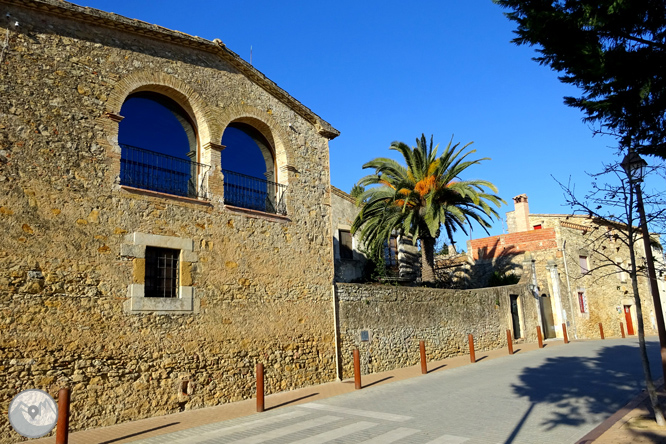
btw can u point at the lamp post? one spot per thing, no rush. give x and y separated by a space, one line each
634 166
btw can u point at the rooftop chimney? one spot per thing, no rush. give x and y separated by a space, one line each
522 212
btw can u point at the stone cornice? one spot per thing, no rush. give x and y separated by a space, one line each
582 228
338 192
114 21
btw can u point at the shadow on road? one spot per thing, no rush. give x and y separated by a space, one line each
140 433
584 390
292 401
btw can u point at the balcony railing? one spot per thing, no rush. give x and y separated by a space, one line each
154 171
256 194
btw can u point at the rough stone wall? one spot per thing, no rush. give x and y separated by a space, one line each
397 318
569 238
606 290
261 283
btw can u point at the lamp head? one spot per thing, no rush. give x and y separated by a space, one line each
634 166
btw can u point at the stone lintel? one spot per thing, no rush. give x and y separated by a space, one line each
156 240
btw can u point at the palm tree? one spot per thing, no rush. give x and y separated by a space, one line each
419 199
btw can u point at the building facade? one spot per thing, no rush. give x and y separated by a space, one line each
576 264
153 280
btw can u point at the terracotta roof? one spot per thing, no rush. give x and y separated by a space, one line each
338 192
114 21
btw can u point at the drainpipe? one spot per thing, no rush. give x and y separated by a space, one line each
336 329
571 305
535 293
555 279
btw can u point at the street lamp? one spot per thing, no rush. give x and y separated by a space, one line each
634 166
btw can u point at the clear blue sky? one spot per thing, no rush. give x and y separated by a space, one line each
385 71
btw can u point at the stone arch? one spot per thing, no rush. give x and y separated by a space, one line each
186 97
269 128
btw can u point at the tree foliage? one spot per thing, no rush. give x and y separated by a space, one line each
614 51
421 197
356 192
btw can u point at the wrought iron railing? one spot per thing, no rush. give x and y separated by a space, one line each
253 193
154 171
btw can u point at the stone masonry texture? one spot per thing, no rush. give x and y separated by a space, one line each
397 318
262 284
555 250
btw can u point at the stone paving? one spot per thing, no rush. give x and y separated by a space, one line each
557 395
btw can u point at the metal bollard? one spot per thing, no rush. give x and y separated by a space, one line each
62 429
564 332
260 387
601 331
357 369
509 341
424 363
472 356
539 336
622 328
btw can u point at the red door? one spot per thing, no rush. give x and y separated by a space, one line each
627 317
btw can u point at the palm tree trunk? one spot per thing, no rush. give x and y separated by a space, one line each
427 259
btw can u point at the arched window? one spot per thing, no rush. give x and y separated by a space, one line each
248 165
158 143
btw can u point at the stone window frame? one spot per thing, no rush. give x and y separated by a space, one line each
621 274
134 247
347 229
583 307
584 263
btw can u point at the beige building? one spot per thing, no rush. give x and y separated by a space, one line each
401 256
576 261
148 274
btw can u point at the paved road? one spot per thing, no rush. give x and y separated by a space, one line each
554 395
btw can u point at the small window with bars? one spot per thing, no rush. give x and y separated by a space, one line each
391 252
346 249
582 302
161 273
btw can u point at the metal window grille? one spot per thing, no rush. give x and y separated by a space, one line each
391 252
161 273
345 244
253 193
155 171
582 302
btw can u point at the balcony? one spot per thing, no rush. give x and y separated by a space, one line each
253 193
150 170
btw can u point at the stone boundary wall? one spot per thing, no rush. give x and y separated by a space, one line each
397 318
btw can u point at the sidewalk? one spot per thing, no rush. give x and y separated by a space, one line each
625 426
634 423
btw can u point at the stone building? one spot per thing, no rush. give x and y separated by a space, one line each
152 277
575 278
401 256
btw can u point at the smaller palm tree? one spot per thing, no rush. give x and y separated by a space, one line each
417 200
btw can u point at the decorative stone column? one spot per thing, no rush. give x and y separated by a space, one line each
213 180
555 281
